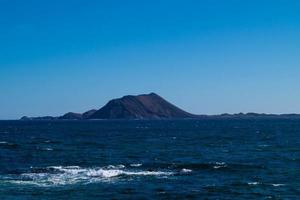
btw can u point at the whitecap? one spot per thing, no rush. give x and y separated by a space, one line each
253 183
68 175
115 167
3 142
19 182
186 170
219 165
277 185
104 173
149 173
136 165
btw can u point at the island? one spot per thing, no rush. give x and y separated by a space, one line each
151 106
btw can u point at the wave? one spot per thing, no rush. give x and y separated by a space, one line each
69 175
219 165
254 183
266 184
186 170
213 166
277 185
10 145
136 165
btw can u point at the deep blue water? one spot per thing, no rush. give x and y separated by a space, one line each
187 159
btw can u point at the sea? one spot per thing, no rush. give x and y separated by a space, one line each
144 159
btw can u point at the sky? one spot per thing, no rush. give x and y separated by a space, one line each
205 56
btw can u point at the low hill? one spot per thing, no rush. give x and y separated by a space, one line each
146 106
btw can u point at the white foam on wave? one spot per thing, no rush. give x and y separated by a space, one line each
186 170
115 167
273 184
136 165
3 142
217 167
68 175
220 165
277 185
253 183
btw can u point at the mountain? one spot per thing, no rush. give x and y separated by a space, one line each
88 114
146 106
152 106
71 116
77 116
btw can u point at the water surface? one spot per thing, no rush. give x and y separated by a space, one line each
180 159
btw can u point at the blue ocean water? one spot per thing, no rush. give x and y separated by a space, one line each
180 159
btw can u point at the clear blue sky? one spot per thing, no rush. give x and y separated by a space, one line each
208 57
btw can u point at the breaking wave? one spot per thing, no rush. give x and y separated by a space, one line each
68 175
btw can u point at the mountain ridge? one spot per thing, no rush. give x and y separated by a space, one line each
144 106
151 106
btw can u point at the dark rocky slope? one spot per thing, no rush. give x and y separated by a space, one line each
146 106
71 116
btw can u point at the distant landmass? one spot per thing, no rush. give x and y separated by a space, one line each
147 106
